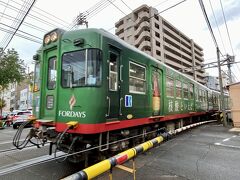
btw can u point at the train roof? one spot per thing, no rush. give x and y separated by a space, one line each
125 44
131 47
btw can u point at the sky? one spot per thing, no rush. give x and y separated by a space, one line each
46 15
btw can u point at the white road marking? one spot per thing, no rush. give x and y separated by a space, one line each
8 142
27 163
226 139
219 144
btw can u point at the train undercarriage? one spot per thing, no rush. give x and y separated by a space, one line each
94 147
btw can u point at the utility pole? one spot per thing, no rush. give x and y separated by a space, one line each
230 60
222 108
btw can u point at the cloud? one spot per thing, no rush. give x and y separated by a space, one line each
231 11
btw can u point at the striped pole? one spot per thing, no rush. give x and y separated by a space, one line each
105 165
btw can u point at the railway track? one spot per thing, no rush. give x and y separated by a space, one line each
42 158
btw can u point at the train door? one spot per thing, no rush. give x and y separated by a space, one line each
49 86
156 89
114 85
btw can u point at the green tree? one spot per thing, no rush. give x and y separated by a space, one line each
2 105
12 69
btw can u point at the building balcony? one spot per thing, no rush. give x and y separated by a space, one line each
142 37
180 52
119 30
177 43
144 45
143 25
143 16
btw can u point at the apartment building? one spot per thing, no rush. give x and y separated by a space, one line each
149 32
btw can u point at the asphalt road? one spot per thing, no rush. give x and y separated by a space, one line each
208 152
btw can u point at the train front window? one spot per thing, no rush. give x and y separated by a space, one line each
81 68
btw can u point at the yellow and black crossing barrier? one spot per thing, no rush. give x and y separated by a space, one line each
221 116
106 165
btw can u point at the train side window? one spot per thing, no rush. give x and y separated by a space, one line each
137 78
170 86
201 95
196 94
113 72
205 95
190 91
185 91
178 89
52 73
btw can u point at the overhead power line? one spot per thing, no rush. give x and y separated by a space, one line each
37 18
217 26
5 16
226 26
15 31
55 20
90 12
20 35
225 22
208 23
21 31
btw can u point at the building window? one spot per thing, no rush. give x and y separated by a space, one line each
169 86
157 34
178 89
158 52
156 17
156 26
137 78
185 91
157 43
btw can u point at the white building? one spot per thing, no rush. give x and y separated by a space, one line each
145 29
25 99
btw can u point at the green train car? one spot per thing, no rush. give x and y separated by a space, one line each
91 88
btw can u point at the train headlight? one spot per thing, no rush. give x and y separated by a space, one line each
47 39
54 36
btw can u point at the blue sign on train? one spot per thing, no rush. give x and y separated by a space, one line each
128 101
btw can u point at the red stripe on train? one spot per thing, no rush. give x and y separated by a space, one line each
110 126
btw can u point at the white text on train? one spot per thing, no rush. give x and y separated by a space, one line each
72 114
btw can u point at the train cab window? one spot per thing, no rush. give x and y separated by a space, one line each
137 78
178 89
94 69
113 72
190 91
81 68
52 73
170 87
36 86
185 91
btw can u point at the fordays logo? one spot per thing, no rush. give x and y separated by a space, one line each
72 102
